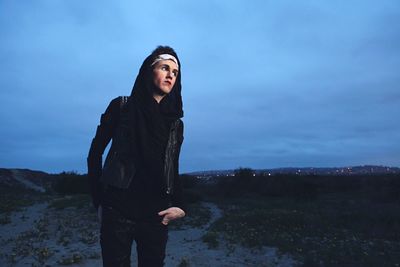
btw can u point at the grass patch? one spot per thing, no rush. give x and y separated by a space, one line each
15 198
75 258
75 201
211 239
336 229
5 219
184 263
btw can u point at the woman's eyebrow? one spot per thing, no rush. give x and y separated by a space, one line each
165 65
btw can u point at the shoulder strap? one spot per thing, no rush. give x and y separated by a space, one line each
124 100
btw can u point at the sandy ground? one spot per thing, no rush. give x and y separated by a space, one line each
43 236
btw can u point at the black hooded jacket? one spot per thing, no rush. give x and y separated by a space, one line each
149 131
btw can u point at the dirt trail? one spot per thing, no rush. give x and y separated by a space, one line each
186 247
40 236
19 176
22 222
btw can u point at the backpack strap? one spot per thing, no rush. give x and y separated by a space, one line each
124 100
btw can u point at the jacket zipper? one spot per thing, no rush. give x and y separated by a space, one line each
169 156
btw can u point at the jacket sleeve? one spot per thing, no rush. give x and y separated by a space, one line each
104 133
177 196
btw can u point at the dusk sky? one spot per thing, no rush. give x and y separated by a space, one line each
265 83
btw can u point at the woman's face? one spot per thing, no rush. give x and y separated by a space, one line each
164 75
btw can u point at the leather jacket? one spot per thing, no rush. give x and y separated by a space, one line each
171 156
105 132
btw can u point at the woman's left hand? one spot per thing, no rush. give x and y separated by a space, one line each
171 214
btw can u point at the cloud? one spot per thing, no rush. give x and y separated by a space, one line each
264 83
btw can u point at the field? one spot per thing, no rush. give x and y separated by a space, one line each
244 220
319 221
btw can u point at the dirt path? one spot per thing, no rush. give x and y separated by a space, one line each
22 222
186 248
40 236
19 176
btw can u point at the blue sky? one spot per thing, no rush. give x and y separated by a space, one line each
265 83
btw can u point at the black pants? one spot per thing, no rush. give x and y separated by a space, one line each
117 235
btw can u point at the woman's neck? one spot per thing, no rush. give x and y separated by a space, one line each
158 97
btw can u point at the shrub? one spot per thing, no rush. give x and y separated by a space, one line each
71 183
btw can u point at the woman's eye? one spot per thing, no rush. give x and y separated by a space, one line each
163 68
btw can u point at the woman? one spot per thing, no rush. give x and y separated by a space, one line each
138 191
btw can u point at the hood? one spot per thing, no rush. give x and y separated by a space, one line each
143 88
